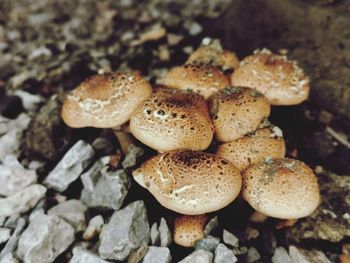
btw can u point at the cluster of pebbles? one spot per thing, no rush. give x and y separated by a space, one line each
212 143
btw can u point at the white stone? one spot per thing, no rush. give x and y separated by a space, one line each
198 256
157 255
94 227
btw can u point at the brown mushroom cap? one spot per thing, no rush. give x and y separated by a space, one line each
105 101
189 229
203 79
254 147
279 79
237 111
281 188
190 182
171 120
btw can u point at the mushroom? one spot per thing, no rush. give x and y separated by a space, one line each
189 229
203 79
190 182
105 101
236 111
281 188
254 147
212 53
171 120
281 80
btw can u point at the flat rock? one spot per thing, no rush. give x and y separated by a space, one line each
208 243
14 177
45 238
11 244
94 227
230 239
224 255
198 256
155 235
125 231
104 188
70 167
307 256
82 255
165 233
157 255
22 201
5 234
281 256
72 211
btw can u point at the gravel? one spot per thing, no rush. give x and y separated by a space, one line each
165 234
208 243
82 255
224 255
198 256
230 239
157 255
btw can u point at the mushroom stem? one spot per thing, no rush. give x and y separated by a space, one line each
258 217
286 223
125 139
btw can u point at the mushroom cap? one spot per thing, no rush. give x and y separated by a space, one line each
171 120
281 188
191 182
189 229
105 101
203 79
281 80
236 111
254 147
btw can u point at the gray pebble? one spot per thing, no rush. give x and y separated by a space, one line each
155 235
208 243
281 256
82 255
165 233
157 255
230 239
252 255
224 255
198 256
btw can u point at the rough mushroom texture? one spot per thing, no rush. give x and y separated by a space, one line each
190 182
236 111
281 80
173 120
281 188
203 79
105 101
189 229
254 147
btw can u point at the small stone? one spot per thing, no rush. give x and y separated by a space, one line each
5 234
307 256
155 235
211 225
94 227
11 244
224 255
9 258
281 256
209 243
70 167
198 256
14 177
131 158
165 234
72 211
30 101
157 255
45 238
252 255
103 146
230 239
138 254
193 28
82 255
126 230
22 201
251 233
174 39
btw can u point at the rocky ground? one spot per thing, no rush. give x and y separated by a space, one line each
67 194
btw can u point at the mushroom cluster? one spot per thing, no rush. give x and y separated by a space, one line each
198 103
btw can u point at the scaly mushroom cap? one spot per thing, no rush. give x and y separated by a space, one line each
190 182
281 188
203 79
237 111
279 79
173 120
189 229
254 147
105 101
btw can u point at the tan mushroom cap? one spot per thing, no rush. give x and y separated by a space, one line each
254 147
281 80
237 111
202 79
173 120
189 229
281 188
105 101
190 182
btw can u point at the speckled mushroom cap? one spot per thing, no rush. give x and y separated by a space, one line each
189 229
281 188
236 111
171 120
190 182
105 101
203 79
254 147
281 80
